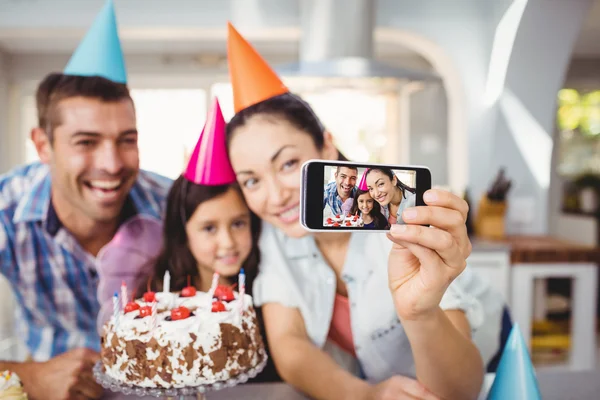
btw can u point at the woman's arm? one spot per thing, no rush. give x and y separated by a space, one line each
301 363
446 360
428 254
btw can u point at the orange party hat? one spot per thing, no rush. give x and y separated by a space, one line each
252 79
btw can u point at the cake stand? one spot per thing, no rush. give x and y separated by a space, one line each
195 392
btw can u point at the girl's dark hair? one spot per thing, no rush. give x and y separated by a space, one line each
399 184
183 199
289 107
380 221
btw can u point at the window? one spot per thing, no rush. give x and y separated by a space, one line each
578 122
222 91
357 120
169 122
28 121
361 122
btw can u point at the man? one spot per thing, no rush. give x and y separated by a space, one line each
341 191
57 216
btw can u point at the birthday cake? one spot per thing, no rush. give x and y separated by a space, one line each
342 220
11 387
174 340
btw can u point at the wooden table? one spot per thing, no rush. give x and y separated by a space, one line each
553 385
545 249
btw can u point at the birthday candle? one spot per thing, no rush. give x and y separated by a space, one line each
167 282
242 287
123 294
213 287
154 317
116 309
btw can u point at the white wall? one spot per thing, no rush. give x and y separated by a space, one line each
464 29
536 72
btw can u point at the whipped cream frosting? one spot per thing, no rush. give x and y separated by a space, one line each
11 387
203 348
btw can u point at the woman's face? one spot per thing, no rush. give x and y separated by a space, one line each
219 235
381 188
365 203
267 154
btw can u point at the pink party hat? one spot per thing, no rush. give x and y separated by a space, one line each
209 164
363 182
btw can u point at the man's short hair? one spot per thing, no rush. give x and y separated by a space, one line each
346 166
57 87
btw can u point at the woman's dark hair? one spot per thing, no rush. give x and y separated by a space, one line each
390 174
380 221
288 107
183 199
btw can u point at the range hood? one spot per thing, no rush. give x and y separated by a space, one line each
337 42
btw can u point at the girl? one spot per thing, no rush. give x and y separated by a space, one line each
348 315
369 209
393 195
208 227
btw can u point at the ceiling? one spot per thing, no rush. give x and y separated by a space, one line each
279 38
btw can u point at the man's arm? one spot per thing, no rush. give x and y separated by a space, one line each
60 378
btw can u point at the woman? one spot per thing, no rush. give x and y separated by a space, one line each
393 195
335 310
370 210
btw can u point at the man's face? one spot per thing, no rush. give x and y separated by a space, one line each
93 157
345 179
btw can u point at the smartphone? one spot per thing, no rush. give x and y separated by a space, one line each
349 196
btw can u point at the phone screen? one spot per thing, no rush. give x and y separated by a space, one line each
356 196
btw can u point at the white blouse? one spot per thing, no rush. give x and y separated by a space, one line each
294 273
409 201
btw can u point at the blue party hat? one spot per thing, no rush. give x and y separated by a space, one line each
515 377
99 53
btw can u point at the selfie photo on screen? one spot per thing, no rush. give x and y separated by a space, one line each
367 198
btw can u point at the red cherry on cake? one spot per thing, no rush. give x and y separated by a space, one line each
336 224
188 291
355 218
132 306
180 313
348 223
149 297
145 311
217 306
224 293
337 216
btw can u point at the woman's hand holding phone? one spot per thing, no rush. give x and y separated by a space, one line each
425 260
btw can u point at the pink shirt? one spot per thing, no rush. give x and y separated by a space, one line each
340 331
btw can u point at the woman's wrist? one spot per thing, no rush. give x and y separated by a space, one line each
424 318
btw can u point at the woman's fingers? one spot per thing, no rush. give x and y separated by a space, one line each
444 219
445 199
439 243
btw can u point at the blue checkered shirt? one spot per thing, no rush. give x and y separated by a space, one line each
331 197
55 281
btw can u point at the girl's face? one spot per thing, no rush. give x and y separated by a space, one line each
267 154
219 235
365 203
381 188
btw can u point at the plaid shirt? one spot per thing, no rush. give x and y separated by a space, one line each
331 197
55 281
